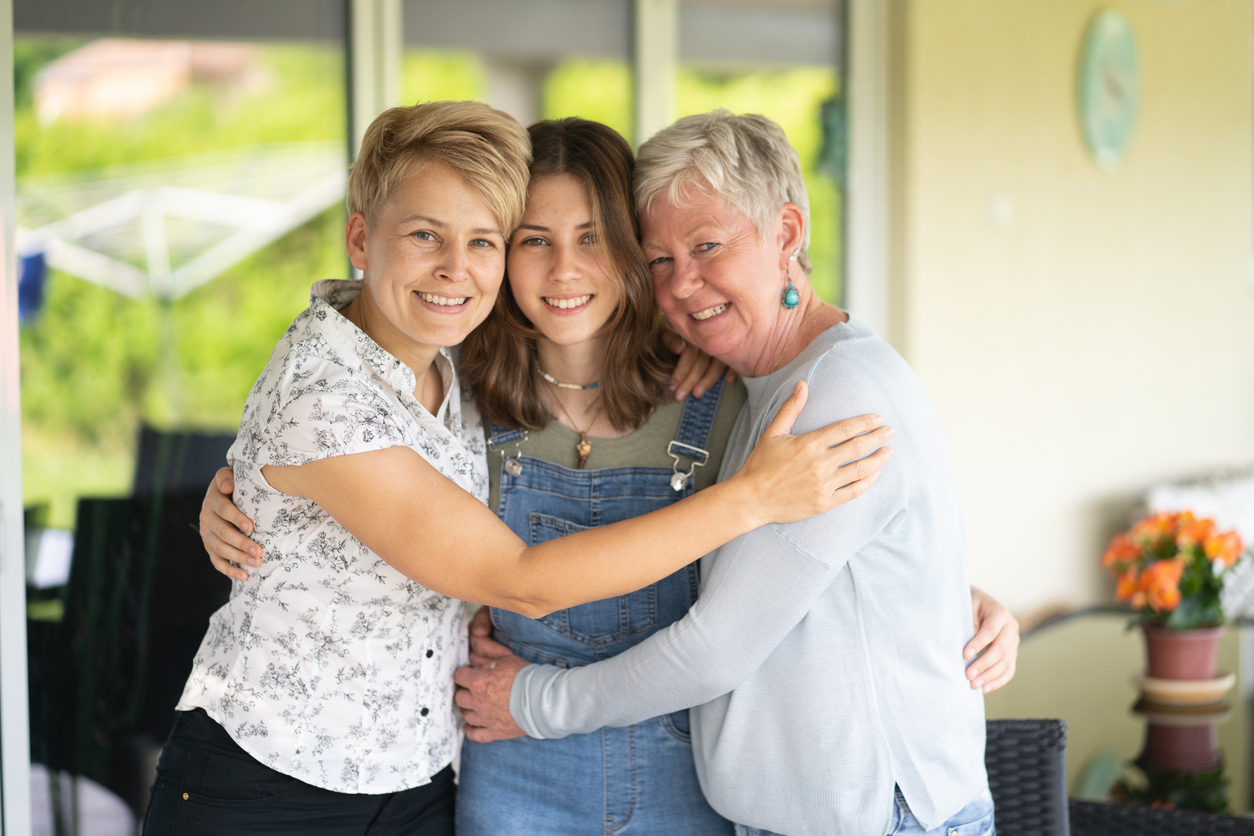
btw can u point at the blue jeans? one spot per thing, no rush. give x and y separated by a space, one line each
975 819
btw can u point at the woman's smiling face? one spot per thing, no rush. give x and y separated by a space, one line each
433 260
716 279
557 269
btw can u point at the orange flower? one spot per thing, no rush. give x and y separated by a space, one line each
1193 531
1121 551
1225 548
1161 584
1155 525
1127 585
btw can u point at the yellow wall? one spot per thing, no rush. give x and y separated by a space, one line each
1083 333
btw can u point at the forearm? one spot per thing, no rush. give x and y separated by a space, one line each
751 601
620 558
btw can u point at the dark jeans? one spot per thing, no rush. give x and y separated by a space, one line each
206 784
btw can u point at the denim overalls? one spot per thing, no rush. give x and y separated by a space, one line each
634 780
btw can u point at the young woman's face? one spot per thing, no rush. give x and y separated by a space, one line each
557 272
433 260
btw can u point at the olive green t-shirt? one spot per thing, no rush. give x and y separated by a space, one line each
645 447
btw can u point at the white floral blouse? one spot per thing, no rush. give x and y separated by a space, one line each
327 664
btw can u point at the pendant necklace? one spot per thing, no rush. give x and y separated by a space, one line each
584 447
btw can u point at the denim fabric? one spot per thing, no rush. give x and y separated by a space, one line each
207 785
636 779
975 819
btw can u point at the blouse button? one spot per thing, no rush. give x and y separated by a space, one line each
430 653
425 712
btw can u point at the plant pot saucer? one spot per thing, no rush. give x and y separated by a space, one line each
1179 692
1182 716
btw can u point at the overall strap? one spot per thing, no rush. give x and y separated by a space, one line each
503 435
693 435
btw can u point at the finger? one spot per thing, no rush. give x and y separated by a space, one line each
788 411
1000 681
729 376
228 568
983 637
466 677
860 446
225 480
848 430
230 536
863 468
673 341
481 623
712 373
991 673
696 372
479 734
489 648
991 658
852 491
682 367
221 505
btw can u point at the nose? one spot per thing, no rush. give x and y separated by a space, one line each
685 278
565 264
454 263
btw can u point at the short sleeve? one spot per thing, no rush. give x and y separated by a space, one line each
324 409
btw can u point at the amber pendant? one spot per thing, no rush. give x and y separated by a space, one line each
584 449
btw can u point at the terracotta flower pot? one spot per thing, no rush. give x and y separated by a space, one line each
1181 654
1181 748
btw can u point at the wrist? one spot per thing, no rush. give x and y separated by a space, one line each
746 503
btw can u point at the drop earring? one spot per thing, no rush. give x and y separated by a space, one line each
790 298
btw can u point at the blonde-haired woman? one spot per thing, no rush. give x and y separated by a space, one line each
321 698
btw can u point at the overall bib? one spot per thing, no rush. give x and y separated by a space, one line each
638 780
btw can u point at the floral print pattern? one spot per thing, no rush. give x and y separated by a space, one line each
327 664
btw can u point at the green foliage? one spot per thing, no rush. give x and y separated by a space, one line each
1203 791
95 363
596 90
1200 588
434 75
794 99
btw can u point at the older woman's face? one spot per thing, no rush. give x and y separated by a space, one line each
716 280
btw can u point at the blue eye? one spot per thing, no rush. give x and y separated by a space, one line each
657 262
482 243
423 235
706 247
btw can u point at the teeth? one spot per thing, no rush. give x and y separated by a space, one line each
568 303
709 312
444 301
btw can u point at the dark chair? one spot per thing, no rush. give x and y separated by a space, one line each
1027 774
1089 818
173 461
105 679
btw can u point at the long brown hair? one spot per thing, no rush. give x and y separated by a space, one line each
498 359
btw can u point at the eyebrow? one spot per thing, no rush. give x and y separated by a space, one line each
441 225
536 228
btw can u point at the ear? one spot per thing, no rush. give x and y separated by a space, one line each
355 235
792 225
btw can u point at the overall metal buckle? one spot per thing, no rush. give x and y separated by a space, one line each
679 480
513 464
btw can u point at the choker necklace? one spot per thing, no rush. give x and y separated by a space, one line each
551 379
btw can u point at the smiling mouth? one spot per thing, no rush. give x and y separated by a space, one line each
564 304
444 301
701 316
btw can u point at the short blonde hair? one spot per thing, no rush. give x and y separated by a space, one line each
746 160
488 148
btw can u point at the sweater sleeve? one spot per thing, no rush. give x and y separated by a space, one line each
760 586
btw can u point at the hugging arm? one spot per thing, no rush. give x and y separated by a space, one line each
412 516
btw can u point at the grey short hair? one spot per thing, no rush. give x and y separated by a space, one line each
746 160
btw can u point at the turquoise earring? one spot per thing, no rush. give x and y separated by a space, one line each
790 298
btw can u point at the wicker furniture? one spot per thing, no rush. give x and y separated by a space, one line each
1027 774
1092 819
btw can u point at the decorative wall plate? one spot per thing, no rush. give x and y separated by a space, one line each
1109 87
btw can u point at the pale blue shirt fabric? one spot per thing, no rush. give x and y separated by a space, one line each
823 658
